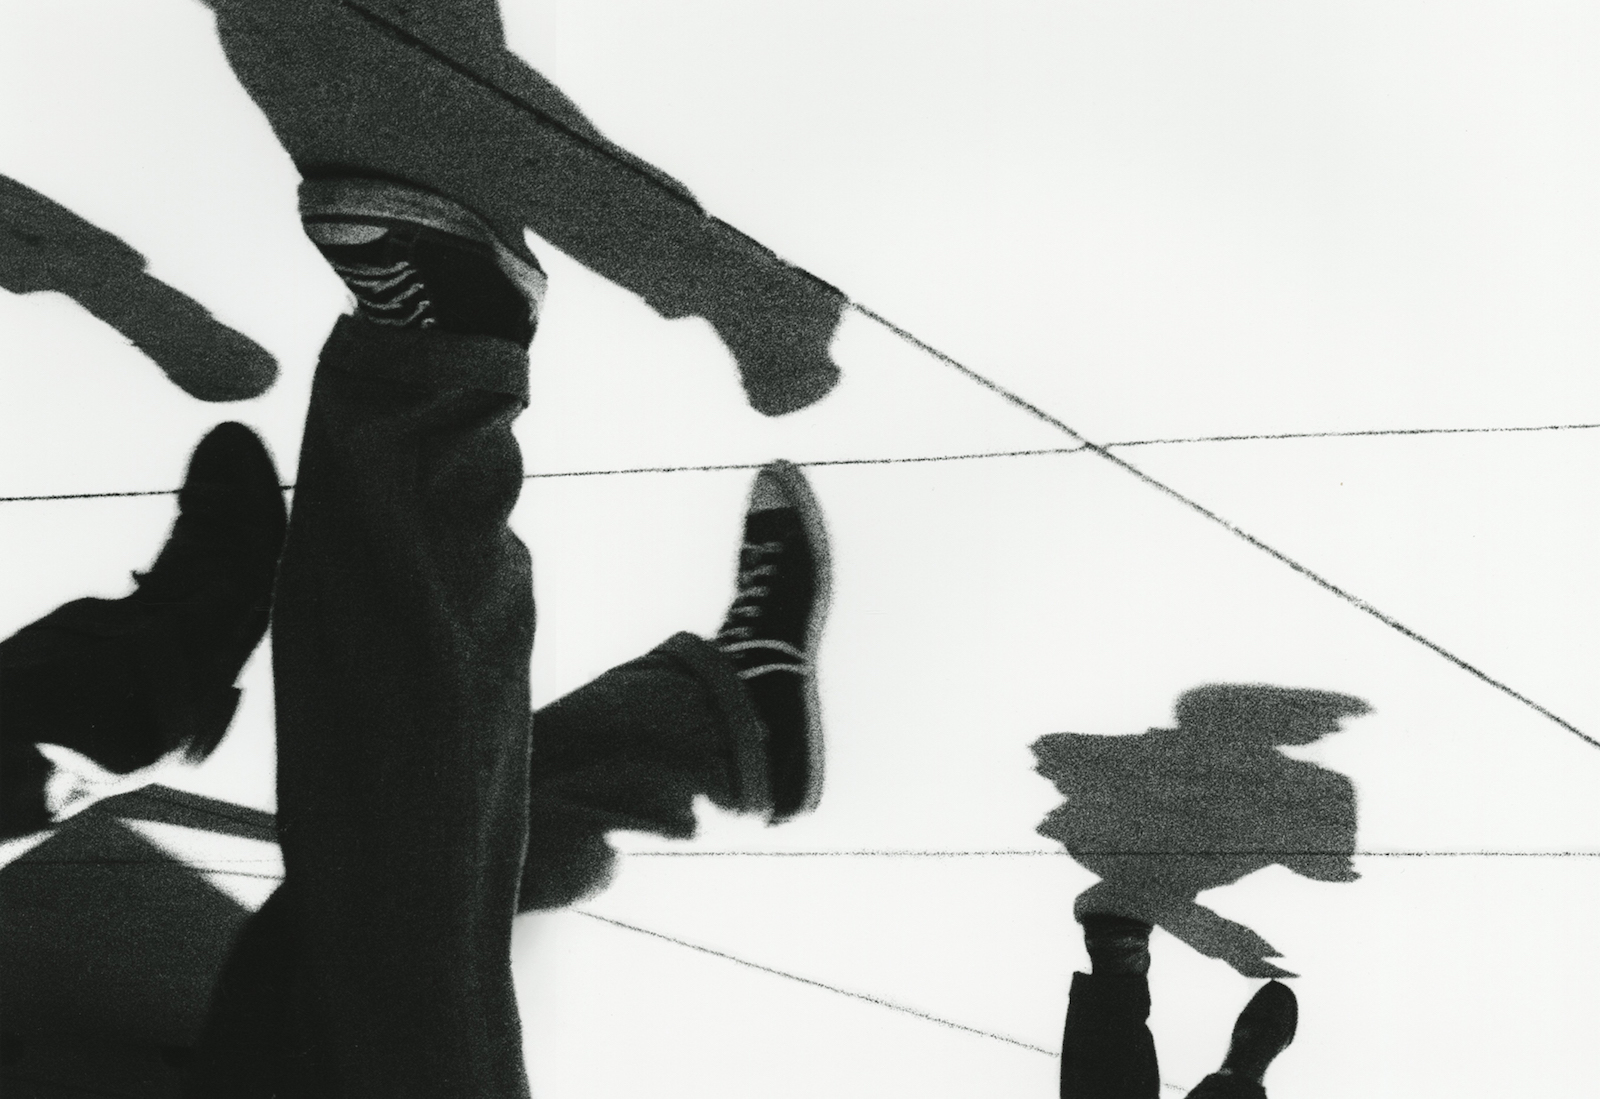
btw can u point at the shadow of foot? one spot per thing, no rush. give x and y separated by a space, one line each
44 247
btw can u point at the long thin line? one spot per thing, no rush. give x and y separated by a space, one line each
1351 434
90 495
103 495
602 147
170 863
912 854
411 40
816 984
972 375
975 455
813 463
415 42
1200 509
818 463
1348 596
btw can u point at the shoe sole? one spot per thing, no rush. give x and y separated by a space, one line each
798 490
382 200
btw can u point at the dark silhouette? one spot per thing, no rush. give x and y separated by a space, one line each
430 94
126 681
110 947
1107 1051
46 247
1168 814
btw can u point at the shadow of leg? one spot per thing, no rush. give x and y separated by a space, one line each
384 90
48 248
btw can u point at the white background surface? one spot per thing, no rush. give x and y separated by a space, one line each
1154 220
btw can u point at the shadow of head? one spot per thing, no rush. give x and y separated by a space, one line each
1165 815
1253 714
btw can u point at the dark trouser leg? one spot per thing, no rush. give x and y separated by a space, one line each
402 634
1224 1086
631 750
1107 1051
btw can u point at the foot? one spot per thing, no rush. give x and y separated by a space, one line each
415 259
772 629
125 682
1265 1028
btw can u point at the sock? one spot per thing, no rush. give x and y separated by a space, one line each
1117 944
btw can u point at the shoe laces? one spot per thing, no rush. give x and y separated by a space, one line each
388 294
749 598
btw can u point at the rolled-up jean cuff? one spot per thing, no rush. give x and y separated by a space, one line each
747 736
428 359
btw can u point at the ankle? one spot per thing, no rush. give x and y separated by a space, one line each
1117 944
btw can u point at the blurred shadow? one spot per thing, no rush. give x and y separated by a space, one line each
429 93
104 934
1165 815
47 247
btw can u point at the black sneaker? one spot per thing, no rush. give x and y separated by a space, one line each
127 681
772 629
1265 1028
415 259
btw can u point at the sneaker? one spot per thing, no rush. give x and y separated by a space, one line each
415 259
1265 1028
772 629
127 681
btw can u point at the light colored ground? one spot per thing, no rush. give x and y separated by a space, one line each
1155 221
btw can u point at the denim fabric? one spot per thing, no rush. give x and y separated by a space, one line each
403 628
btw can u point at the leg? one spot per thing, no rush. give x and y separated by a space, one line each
736 719
1107 1051
257 1043
632 750
1223 1086
403 630
403 633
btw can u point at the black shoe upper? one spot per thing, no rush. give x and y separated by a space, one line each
768 636
213 579
1264 1029
126 681
412 276
768 622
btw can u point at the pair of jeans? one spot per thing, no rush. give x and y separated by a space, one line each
1107 1051
409 768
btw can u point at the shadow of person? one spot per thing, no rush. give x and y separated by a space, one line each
1165 815
46 247
428 93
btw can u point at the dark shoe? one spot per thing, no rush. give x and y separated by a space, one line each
772 629
127 681
415 259
1265 1028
